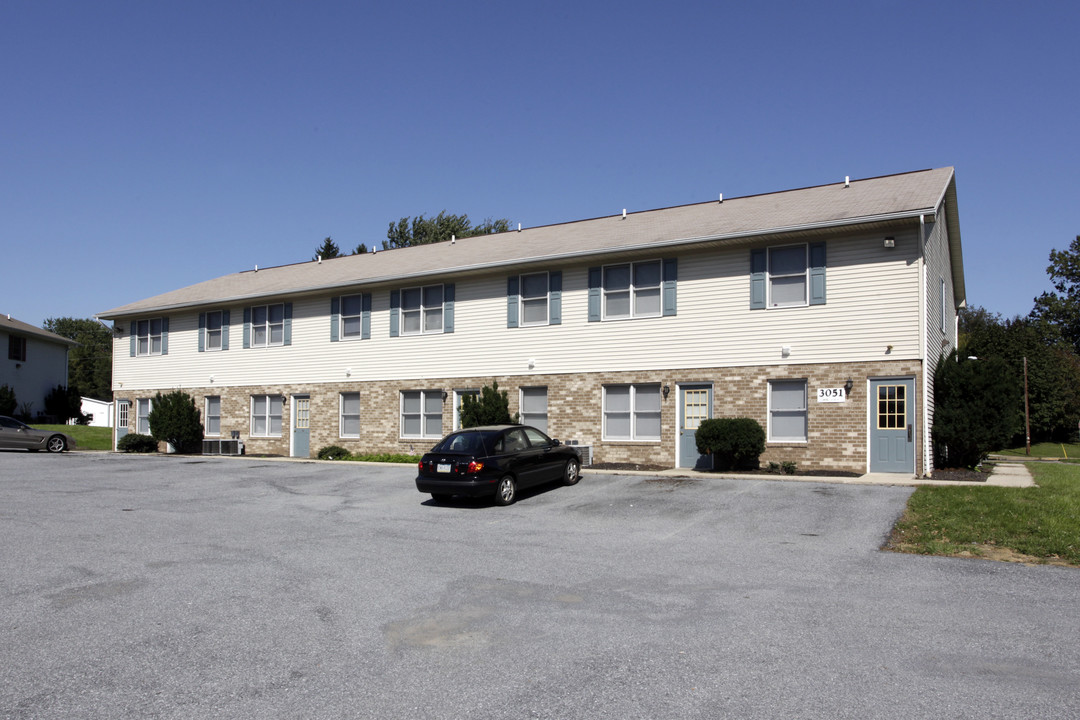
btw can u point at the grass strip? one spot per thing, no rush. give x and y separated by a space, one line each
1039 524
87 437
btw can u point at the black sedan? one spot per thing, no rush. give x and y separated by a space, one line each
495 461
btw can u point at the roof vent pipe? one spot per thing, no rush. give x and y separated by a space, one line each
721 198
256 268
519 227
319 258
624 213
453 239
847 181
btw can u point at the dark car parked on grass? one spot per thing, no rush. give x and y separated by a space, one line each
15 435
495 461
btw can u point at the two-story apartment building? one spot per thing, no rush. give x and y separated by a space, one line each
820 312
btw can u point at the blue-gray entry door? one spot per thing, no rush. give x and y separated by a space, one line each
123 411
695 405
892 425
301 426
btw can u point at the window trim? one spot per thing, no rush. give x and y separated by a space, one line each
269 425
423 309
341 416
268 325
633 413
805 412
522 300
423 415
770 275
149 336
207 415
632 291
521 407
139 416
17 348
220 331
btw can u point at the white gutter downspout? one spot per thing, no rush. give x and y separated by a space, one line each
925 420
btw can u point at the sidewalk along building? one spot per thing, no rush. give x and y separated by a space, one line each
819 312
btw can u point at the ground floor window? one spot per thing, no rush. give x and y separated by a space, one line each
142 416
212 425
266 415
349 421
632 412
421 414
534 407
787 411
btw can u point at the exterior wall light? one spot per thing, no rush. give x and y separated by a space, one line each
667 389
848 385
890 242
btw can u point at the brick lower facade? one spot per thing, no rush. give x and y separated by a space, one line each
837 437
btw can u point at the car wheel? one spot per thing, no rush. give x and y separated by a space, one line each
572 474
506 492
56 444
441 497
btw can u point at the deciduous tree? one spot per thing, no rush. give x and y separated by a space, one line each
89 362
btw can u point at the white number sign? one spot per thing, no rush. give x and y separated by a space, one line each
831 395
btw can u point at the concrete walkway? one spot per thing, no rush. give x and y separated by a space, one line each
1003 475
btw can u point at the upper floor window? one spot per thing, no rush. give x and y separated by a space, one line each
534 299
150 337
352 313
422 310
16 348
633 290
268 325
787 276
214 330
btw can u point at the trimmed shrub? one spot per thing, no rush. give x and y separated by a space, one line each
735 443
136 443
333 452
8 403
492 407
978 407
174 419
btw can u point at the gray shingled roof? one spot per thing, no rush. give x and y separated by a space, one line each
18 327
893 197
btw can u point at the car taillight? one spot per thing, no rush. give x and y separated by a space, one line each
420 465
474 467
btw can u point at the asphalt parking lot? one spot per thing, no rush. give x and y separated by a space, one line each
190 587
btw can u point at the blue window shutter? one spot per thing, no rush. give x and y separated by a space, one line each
596 277
395 311
671 277
247 327
365 316
202 332
817 274
555 297
335 318
287 330
448 308
512 301
758 261
165 336
224 329
134 339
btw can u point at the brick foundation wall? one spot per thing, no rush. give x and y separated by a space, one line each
837 432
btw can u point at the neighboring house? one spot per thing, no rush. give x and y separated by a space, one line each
36 362
99 412
819 312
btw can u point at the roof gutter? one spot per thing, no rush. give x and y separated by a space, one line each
561 257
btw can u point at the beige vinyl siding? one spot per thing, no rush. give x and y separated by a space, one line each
872 300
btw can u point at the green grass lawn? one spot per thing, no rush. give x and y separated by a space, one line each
1040 524
1046 450
86 437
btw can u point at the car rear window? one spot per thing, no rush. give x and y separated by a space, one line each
469 443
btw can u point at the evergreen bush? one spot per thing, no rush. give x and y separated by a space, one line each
63 404
491 407
174 419
977 409
136 443
333 452
735 443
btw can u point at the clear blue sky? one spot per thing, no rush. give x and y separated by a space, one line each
145 146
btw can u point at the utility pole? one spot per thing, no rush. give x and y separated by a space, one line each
1027 414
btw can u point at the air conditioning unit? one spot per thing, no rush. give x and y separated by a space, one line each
222 447
586 454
